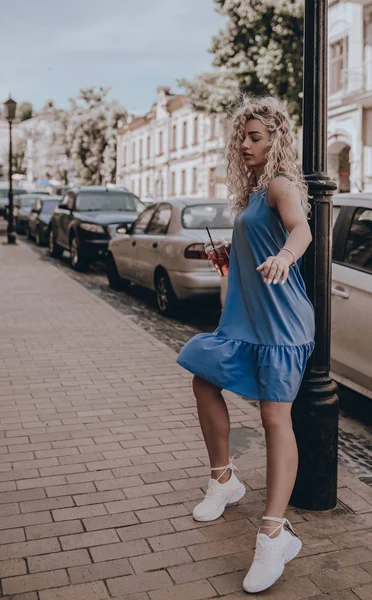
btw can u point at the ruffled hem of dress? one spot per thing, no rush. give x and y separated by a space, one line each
260 372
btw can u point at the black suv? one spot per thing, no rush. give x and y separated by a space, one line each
87 218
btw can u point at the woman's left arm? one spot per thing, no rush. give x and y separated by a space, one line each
286 198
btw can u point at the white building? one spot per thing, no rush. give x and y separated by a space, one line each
172 151
350 94
40 135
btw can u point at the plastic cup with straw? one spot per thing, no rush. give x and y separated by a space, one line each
217 253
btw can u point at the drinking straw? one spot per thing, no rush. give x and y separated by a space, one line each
210 237
219 270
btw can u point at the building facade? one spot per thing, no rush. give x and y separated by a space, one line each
172 151
350 95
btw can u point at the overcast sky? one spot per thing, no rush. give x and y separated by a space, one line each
51 48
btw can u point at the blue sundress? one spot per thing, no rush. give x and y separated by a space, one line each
266 332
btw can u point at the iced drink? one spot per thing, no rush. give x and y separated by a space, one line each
218 253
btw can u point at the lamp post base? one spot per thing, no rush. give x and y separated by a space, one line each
315 422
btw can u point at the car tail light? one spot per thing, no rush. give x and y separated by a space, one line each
196 251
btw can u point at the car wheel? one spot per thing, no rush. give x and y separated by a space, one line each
78 263
114 280
54 249
165 296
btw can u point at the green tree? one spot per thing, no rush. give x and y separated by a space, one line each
260 50
24 111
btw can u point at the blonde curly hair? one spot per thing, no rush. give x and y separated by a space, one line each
280 158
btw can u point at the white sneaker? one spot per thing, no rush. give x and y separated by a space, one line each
219 495
270 557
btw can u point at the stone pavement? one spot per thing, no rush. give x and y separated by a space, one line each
102 462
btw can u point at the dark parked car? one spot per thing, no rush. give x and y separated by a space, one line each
86 220
4 193
21 210
39 218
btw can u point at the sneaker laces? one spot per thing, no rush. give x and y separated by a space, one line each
229 466
265 552
282 522
212 489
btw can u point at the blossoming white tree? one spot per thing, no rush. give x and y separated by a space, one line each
91 134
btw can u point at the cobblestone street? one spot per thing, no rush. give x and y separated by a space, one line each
355 448
102 461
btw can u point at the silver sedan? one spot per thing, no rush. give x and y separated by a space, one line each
164 250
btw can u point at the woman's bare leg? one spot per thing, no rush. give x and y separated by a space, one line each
215 424
282 460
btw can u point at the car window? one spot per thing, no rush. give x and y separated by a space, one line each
49 205
122 201
336 211
214 216
160 222
25 201
4 192
358 251
144 219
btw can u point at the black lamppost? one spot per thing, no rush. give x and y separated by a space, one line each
315 410
10 111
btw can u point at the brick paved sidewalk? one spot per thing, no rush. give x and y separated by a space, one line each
102 462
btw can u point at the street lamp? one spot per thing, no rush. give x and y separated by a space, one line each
10 111
315 410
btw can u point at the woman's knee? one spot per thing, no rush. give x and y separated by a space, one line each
275 415
202 387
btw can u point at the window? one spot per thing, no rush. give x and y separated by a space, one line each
124 156
134 152
213 127
143 220
174 137
194 180
183 182
196 131
173 184
160 142
107 201
160 222
358 252
140 188
48 206
147 186
184 134
338 63
335 212
148 147
214 216
212 182
140 150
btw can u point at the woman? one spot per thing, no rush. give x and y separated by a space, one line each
266 331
